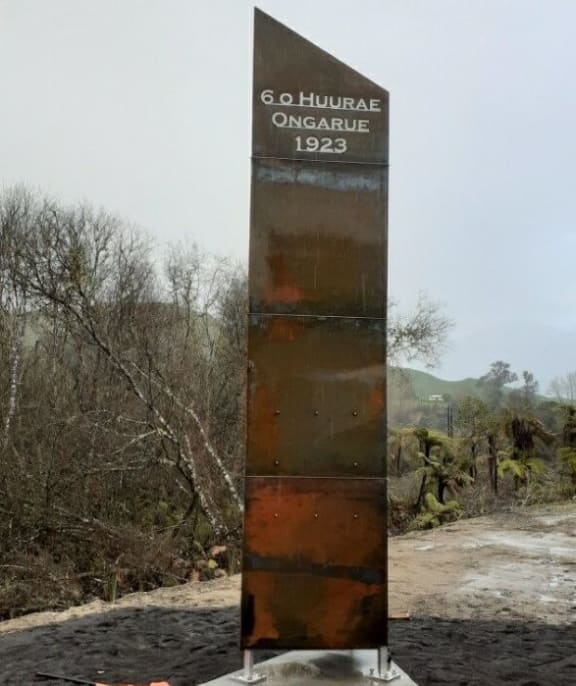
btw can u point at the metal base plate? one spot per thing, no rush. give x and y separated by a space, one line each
254 679
319 668
389 675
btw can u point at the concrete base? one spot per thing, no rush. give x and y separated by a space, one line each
318 668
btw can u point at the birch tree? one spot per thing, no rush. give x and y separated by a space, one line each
99 277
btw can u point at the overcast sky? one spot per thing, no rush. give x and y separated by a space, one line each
143 107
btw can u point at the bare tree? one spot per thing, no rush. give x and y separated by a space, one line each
122 402
420 334
14 212
99 278
564 387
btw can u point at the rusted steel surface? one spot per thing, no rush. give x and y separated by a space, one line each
318 238
316 396
314 563
314 568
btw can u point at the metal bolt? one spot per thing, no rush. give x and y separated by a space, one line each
276 412
354 413
276 515
316 413
355 464
355 515
315 515
276 462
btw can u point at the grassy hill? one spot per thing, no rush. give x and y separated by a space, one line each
425 384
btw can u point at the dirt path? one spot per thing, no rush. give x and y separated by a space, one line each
511 567
493 602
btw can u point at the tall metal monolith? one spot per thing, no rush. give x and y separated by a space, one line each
315 540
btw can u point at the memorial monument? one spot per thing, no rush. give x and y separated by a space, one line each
315 532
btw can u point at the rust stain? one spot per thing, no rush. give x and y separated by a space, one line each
266 625
317 250
315 613
324 376
263 421
283 287
377 401
285 293
283 330
317 521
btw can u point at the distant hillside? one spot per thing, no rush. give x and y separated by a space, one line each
425 385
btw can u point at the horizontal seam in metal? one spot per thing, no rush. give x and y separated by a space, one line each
304 159
314 316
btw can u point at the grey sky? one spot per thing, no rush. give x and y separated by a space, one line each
143 107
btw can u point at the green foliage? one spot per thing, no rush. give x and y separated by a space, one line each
516 441
493 382
508 465
442 460
522 468
472 416
402 451
567 457
436 513
476 424
438 508
569 425
525 432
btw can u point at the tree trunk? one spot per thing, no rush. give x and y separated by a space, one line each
473 471
398 459
421 492
493 464
441 488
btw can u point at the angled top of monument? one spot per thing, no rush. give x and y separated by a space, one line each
309 105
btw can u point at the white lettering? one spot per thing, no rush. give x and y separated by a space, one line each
320 143
296 121
306 100
326 144
280 119
267 97
314 100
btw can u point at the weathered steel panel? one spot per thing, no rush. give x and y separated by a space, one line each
309 105
314 563
318 238
316 396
